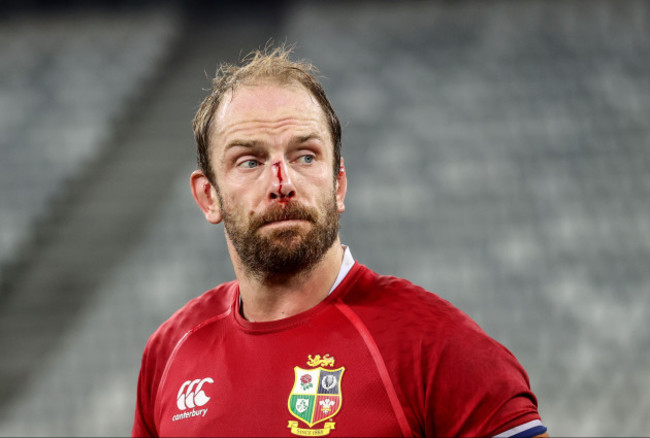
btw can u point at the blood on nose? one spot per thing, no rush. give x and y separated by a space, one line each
278 173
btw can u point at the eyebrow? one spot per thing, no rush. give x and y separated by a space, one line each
305 138
254 144
251 144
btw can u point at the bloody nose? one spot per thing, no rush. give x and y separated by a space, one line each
284 190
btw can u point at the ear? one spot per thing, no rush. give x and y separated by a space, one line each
341 187
205 195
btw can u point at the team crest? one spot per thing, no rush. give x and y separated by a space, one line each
316 396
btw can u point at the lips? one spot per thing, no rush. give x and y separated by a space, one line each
281 221
287 212
287 219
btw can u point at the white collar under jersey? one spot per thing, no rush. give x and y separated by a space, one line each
346 265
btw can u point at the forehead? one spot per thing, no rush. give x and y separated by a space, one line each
264 104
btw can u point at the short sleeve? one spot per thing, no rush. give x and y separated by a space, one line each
476 387
143 424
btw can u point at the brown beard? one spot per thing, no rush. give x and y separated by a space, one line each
286 251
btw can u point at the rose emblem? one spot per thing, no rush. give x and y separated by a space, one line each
305 382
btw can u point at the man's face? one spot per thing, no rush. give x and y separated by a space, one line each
272 154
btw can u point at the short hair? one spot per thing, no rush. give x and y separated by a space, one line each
270 64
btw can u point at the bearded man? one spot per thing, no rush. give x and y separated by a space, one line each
306 341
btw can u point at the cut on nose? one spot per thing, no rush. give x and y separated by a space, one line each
284 190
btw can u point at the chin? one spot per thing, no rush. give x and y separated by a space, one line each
287 238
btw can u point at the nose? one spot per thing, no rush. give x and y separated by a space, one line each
282 188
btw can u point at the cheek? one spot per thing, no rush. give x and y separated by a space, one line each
243 208
319 177
237 195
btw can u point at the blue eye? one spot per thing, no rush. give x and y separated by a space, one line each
249 164
307 159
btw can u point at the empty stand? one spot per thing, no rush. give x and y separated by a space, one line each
497 154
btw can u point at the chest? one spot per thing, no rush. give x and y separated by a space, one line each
310 380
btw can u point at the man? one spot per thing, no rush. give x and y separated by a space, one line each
306 341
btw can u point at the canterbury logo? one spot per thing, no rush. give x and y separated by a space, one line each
191 394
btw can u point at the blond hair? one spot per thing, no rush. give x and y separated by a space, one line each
259 65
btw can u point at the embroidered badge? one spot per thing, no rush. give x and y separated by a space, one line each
316 396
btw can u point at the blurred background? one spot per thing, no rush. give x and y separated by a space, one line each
498 154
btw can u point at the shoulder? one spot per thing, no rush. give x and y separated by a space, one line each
437 354
164 340
193 314
394 309
403 304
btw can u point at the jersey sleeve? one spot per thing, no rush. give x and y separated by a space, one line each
154 360
143 425
161 344
478 388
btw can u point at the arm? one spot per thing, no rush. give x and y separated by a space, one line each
480 389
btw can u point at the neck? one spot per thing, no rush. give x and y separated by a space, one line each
278 297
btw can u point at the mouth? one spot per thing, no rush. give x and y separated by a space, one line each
287 215
284 223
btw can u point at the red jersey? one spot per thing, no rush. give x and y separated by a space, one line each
378 357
